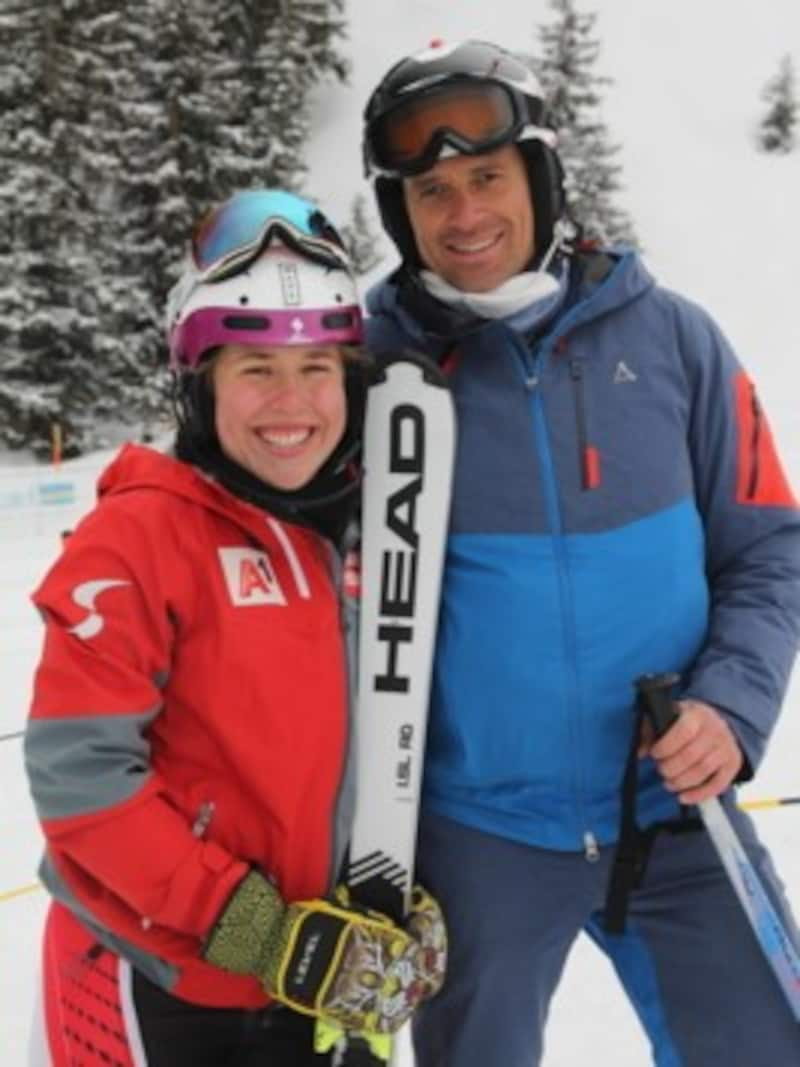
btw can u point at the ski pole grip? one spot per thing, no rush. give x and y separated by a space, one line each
655 699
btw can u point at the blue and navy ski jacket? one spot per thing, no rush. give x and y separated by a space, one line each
618 509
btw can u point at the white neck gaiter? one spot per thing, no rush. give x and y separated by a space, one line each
517 293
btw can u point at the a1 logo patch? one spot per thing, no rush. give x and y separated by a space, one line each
250 577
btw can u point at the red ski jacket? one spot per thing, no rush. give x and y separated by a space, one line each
189 717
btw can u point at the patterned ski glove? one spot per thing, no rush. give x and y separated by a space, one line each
326 958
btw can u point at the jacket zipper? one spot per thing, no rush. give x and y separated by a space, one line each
205 814
755 440
349 614
591 850
531 365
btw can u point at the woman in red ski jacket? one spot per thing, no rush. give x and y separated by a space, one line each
188 740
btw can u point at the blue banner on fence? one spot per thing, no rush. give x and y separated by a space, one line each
38 495
56 493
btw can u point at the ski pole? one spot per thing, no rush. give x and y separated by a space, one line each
775 941
767 802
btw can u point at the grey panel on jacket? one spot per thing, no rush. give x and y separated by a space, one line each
86 763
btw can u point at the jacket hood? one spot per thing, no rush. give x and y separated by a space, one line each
137 467
605 282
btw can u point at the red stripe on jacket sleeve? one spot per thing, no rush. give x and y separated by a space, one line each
760 478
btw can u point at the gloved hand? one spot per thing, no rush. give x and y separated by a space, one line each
326 958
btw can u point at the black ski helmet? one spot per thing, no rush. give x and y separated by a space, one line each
440 69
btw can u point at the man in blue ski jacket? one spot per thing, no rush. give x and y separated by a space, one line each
619 509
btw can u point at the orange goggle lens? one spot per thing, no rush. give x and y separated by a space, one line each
471 118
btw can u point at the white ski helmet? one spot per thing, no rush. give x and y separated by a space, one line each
281 298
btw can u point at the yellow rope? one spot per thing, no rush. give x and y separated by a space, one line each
768 802
11 893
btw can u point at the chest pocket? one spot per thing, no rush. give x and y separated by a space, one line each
618 427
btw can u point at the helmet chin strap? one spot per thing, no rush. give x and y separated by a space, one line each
564 232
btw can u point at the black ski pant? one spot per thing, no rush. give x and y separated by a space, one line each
95 1010
175 1033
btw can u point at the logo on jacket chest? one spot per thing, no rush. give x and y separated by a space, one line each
250 577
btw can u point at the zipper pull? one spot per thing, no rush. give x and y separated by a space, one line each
204 817
588 454
590 848
532 369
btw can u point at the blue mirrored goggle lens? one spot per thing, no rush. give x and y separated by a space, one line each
239 226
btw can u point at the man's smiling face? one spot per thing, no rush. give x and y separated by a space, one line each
472 218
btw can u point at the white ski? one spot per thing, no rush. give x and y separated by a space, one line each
409 447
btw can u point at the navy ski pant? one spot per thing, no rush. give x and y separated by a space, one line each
688 959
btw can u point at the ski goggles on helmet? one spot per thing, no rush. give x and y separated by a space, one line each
467 115
229 236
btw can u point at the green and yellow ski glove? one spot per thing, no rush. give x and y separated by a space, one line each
325 958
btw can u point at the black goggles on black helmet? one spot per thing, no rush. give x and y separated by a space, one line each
465 114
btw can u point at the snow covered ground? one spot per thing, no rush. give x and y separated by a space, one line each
719 222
